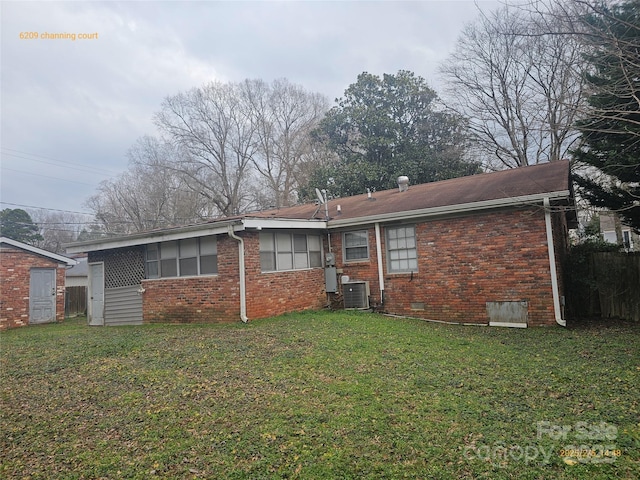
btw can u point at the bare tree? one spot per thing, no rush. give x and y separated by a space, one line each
284 115
519 85
212 125
150 194
57 228
226 148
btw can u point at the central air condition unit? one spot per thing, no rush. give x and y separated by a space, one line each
356 295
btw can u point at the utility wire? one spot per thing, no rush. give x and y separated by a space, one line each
90 167
77 169
47 176
43 208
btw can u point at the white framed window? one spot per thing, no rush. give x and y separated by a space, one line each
187 257
356 245
168 259
152 261
188 261
208 255
289 251
402 255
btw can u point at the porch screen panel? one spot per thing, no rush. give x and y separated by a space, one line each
208 255
168 254
188 257
267 252
285 254
300 256
315 250
152 261
289 251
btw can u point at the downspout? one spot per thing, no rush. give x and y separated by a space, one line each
552 264
243 286
380 266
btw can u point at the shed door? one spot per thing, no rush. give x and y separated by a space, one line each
96 294
42 295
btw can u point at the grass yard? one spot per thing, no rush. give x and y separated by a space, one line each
320 395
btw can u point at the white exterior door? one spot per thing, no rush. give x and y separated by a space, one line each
42 295
96 294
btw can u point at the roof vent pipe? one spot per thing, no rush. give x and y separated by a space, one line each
403 183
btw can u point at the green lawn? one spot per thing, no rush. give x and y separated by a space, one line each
320 395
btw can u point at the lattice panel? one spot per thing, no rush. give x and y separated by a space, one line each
122 267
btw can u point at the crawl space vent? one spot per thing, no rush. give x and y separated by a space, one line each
508 314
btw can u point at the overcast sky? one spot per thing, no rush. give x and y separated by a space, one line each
70 109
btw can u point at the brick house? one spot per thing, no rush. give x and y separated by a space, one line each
609 223
483 249
32 284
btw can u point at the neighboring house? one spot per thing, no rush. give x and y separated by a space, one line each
630 240
31 284
483 249
76 282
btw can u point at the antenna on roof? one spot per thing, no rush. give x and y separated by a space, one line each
322 198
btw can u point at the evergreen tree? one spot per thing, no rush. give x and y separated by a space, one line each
611 129
16 224
387 127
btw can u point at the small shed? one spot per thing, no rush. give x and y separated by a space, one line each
32 284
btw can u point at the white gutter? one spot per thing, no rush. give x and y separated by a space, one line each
243 283
552 264
145 238
287 223
460 208
380 266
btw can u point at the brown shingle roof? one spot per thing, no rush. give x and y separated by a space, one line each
513 183
455 195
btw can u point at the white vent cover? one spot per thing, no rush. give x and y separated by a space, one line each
356 295
508 314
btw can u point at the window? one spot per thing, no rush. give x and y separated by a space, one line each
401 249
153 270
168 255
356 246
208 256
286 251
188 257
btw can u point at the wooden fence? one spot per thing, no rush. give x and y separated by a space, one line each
604 284
75 301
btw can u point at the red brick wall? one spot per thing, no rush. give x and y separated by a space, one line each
360 270
211 298
15 266
465 262
217 298
275 293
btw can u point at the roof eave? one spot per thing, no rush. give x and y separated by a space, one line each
259 223
461 208
146 238
191 231
39 251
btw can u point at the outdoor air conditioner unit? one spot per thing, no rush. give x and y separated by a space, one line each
356 295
